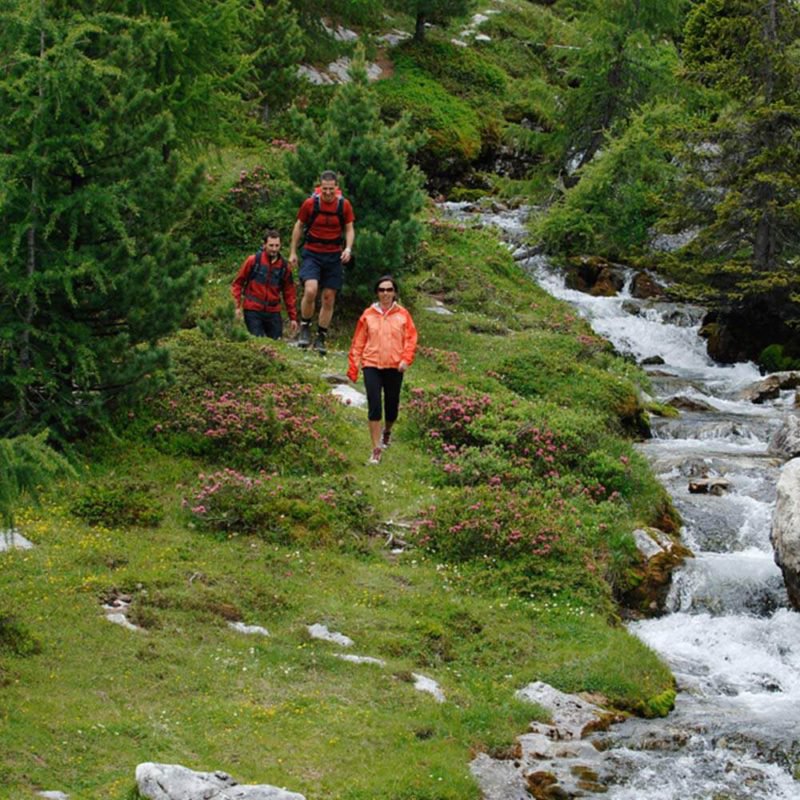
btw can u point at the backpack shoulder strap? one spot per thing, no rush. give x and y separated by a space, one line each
256 262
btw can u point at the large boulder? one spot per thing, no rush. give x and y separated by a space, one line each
785 534
649 582
596 276
785 442
770 387
175 782
645 286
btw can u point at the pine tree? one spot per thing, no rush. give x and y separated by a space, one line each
26 463
93 267
279 41
372 160
433 11
749 247
626 58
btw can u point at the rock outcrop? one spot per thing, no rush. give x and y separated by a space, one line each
175 782
552 760
785 534
660 555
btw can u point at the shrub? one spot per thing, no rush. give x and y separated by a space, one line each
473 442
258 425
117 503
489 521
199 363
773 359
461 70
452 127
276 509
237 213
15 638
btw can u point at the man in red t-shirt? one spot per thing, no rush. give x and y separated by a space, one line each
257 290
326 223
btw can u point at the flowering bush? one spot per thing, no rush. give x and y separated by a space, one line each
278 509
448 359
448 416
473 442
489 521
271 423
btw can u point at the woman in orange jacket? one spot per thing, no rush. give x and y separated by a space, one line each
383 347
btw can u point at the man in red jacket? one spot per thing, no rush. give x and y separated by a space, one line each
258 287
325 222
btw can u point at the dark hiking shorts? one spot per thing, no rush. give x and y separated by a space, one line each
323 267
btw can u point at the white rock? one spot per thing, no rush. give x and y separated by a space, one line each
570 713
394 37
175 782
13 540
360 659
341 34
459 43
423 684
645 544
121 619
479 19
54 795
498 779
313 75
318 631
785 534
482 37
349 395
248 629
445 312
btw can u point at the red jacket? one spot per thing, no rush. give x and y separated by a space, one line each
259 288
383 339
327 224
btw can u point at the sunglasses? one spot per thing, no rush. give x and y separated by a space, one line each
386 288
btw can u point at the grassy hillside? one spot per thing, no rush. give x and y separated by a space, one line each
485 552
300 531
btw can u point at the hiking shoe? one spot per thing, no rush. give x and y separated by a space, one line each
304 339
386 438
319 344
375 458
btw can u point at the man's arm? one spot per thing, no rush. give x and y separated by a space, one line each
297 232
349 238
238 285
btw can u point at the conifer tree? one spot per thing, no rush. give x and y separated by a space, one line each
433 11
751 239
372 160
279 43
626 58
93 266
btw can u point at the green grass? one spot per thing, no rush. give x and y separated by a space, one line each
84 701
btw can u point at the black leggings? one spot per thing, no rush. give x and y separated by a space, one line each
390 381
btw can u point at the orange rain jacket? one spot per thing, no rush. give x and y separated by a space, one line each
382 339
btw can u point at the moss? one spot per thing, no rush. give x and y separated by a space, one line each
453 128
659 705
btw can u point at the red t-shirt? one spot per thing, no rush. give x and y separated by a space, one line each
326 225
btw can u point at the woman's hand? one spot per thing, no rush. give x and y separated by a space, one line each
402 366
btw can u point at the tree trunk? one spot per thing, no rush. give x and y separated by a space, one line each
419 28
25 358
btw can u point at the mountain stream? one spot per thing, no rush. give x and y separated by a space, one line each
728 635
